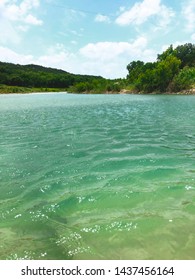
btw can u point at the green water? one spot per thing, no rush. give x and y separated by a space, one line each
97 176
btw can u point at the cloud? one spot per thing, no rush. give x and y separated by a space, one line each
109 50
11 56
20 12
188 12
9 33
58 57
16 19
32 20
102 18
141 12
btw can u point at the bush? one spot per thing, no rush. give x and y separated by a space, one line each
184 80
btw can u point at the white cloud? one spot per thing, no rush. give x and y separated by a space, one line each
142 11
102 18
165 17
20 12
17 18
139 13
109 50
33 20
9 32
8 55
56 56
110 70
188 12
23 28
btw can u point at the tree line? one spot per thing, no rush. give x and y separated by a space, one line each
173 71
35 76
39 76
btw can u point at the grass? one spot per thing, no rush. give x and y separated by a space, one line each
16 89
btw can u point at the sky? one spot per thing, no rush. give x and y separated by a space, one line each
95 37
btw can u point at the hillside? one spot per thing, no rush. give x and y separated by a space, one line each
29 78
39 76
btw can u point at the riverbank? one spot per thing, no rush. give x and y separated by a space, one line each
23 90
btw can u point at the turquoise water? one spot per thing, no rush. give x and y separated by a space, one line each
97 176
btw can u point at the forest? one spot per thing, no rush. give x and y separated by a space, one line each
39 77
173 71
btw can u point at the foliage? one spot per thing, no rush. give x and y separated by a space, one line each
16 89
184 80
186 53
135 68
173 71
98 86
34 76
166 53
38 76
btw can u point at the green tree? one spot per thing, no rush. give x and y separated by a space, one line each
134 68
168 52
185 79
186 53
165 72
158 76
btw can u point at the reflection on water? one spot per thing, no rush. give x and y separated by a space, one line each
97 177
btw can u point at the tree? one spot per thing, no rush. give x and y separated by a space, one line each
169 52
157 76
185 79
135 69
165 71
186 53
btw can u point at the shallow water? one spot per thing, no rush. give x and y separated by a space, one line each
97 176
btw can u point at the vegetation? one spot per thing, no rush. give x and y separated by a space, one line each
17 89
30 78
173 71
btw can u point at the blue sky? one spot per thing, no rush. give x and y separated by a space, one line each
92 37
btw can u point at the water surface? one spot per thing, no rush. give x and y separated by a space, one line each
97 176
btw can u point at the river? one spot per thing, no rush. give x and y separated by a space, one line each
97 176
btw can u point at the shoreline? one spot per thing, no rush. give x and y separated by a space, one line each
25 90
